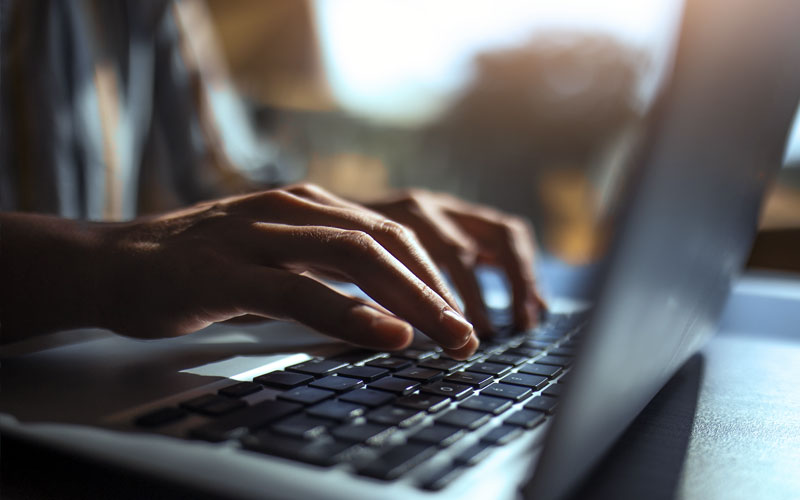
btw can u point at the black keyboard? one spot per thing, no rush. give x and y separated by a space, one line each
382 414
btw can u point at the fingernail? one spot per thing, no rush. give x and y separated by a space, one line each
457 326
467 350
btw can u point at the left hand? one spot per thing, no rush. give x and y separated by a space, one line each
459 235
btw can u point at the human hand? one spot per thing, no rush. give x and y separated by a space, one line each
460 235
258 254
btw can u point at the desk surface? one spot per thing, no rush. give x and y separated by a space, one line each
745 442
727 426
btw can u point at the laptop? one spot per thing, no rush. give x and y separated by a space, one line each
277 411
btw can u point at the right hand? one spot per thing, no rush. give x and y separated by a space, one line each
257 254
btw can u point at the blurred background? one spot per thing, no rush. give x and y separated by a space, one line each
534 107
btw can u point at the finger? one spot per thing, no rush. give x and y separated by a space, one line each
366 263
464 352
285 295
456 252
246 319
320 195
462 274
288 208
510 243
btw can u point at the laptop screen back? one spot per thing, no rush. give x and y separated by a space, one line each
717 138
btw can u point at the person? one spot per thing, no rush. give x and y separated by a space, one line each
86 130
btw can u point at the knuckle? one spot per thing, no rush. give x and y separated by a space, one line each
396 230
277 196
307 188
518 234
508 230
354 240
518 224
413 199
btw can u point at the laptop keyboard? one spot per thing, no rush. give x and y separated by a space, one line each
382 414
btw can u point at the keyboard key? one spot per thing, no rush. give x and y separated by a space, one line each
367 397
473 454
302 426
492 345
424 402
393 364
197 404
250 418
570 344
487 404
542 370
508 391
537 344
337 384
525 418
454 391
548 337
318 452
466 419
283 380
446 365
336 410
554 361
477 380
490 369
240 390
439 435
213 405
162 416
507 359
479 353
306 395
395 385
439 479
535 382
542 403
393 415
416 354
365 373
354 356
555 390
501 435
397 461
562 351
423 375
317 367
529 352
222 407
372 434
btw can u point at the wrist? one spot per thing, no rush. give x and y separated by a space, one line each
50 275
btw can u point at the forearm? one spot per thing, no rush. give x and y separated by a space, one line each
49 275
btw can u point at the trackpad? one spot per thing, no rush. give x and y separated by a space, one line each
246 367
